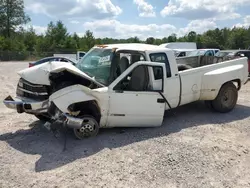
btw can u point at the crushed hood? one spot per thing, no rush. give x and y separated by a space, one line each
39 74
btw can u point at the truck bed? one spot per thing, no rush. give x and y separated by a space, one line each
203 83
198 61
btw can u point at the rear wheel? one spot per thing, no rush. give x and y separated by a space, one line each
226 99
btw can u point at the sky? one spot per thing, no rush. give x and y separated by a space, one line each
141 18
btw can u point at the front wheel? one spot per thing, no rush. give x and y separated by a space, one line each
226 99
90 127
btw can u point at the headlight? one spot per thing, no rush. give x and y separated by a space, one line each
20 84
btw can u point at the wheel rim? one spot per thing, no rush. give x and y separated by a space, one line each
228 98
89 128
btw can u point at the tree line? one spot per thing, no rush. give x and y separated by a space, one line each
17 43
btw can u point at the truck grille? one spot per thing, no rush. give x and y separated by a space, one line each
32 91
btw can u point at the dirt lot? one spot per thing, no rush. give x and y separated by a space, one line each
194 148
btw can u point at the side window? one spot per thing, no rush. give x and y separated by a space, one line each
209 53
247 54
139 80
158 73
241 54
182 54
44 60
81 54
64 60
55 59
161 57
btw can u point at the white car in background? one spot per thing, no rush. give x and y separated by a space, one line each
204 52
181 49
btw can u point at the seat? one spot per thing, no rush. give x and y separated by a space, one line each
138 81
123 65
135 58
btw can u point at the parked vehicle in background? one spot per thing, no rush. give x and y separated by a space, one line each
79 55
232 54
123 85
48 59
181 49
76 57
182 52
223 53
179 45
204 52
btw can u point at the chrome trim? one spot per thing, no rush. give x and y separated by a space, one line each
73 122
12 104
27 83
34 106
34 93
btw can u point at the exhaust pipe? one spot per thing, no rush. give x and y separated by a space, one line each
73 122
66 120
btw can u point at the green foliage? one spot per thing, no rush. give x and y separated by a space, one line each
17 43
11 15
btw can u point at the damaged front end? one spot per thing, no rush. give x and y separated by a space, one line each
75 108
83 127
58 118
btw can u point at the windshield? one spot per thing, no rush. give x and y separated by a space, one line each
96 63
197 53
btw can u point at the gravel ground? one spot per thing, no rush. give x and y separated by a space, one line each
193 148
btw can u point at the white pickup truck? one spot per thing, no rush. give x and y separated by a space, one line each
123 85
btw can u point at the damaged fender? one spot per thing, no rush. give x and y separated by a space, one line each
70 95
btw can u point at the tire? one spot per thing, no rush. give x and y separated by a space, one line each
82 134
226 99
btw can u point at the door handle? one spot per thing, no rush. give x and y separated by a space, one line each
160 101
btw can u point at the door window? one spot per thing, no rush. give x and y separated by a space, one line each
141 79
209 53
64 60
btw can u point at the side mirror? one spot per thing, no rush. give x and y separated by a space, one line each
242 55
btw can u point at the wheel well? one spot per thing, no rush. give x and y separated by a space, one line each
87 108
236 82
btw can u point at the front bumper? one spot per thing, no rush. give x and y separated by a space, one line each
34 107
28 106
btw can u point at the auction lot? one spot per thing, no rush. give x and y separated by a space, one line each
193 148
